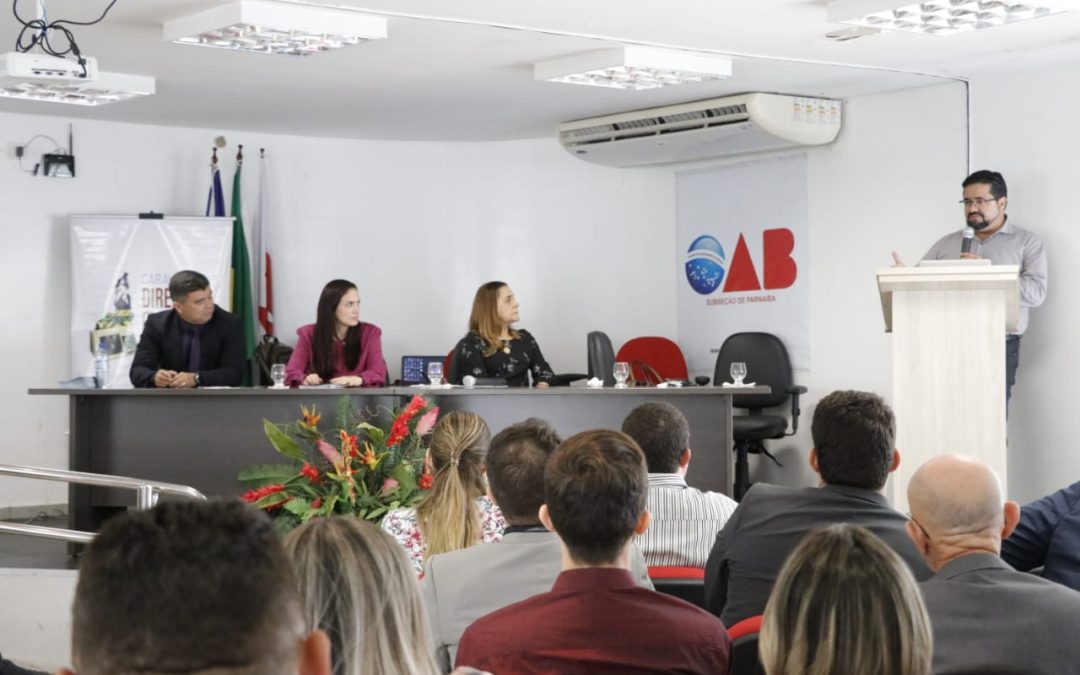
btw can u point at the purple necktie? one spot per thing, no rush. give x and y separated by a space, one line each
193 347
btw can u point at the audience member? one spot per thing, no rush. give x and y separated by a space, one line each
845 603
595 619
494 348
853 452
462 586
684 520
338 348
9 668
1048 536
456 513
987 617
191 587
358 587
194 344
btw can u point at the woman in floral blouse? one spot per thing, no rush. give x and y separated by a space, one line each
456 513
493 349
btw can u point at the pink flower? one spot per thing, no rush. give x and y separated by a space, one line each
317 503
328 451
389 485
427 422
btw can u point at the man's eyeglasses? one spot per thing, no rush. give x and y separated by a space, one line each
978 201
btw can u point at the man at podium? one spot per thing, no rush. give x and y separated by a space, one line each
991 235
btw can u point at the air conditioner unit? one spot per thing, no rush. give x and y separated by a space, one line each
718 127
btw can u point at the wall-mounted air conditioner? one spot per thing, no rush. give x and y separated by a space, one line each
700 130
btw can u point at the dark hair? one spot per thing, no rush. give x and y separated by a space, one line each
992 178
594 488
322 344
662 433
515 468
186 281
186 586
854 434
483 320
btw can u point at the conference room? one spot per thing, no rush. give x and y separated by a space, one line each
424 162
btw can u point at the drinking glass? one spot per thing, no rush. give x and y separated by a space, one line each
621 371
738 371
277 374
434 373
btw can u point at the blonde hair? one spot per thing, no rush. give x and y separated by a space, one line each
484 319
448 517
845 603
358 585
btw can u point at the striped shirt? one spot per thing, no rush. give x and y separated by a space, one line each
684 524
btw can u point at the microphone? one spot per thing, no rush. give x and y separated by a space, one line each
969 237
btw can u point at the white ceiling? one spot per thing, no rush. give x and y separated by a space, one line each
461 70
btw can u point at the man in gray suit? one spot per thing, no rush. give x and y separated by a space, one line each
986 616
462 586
853 433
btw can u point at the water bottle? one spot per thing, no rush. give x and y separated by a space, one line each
101 365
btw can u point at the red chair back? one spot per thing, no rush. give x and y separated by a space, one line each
747 626
659 353
661 572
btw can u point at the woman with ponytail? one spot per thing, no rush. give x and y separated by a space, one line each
456 512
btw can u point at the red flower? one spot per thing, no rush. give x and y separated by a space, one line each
317 503
399 431
426 481
252 496
348 444
310 472
415 405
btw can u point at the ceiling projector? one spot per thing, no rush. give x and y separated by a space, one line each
17 66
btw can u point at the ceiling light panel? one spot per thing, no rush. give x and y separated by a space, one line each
275 28
633 67
939 17
106 88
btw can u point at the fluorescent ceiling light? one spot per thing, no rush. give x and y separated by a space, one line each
275 28
937 17
633 67
106 88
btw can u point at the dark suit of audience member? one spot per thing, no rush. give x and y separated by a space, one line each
853 453
986 616
1048 536
162 346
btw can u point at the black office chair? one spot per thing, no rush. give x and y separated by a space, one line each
767 363
601 356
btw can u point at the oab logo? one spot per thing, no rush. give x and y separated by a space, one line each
707 267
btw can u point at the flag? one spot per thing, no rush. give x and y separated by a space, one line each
215 199
240 274
263 269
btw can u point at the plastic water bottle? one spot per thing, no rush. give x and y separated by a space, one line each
101 365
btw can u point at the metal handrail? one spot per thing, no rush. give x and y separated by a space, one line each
146 496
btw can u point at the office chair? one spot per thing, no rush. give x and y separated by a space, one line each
685 583
653 360
601 356
744 647
767 363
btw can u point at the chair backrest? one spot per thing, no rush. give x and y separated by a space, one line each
663 355
685 583
268 353
451 368
601 357
767 363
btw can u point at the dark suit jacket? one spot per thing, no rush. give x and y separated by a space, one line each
1048 536
162 346
989 618
771 521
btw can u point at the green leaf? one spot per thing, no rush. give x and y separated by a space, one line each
272 499
298 506
373 432
404 477
258 475
344 412
282 442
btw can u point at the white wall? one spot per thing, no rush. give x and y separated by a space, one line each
418 226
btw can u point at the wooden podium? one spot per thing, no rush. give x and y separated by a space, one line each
949 325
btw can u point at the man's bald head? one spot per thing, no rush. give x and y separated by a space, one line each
959 508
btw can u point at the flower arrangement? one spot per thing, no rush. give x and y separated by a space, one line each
356 469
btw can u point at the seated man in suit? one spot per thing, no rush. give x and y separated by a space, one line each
986 616
191 587
595 619
196 343
684 521
461 586
1048 536
853 452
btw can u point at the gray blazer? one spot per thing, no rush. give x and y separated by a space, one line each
461 586
989 618
771 521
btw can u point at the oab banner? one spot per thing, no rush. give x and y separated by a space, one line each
120 270
742 258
